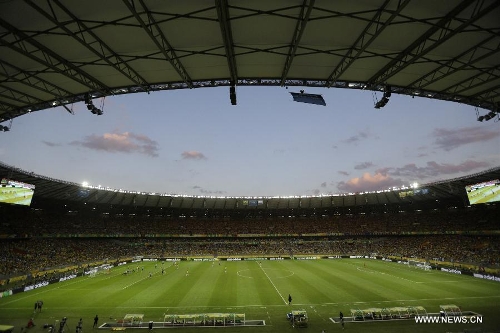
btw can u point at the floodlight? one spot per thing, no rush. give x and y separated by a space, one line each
488 116
91 107
385 98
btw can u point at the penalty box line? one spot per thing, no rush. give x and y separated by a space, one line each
284 301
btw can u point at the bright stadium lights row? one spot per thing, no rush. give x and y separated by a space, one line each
91 107
321 195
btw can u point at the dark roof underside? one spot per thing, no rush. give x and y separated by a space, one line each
54 52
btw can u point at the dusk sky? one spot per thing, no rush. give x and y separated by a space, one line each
195 142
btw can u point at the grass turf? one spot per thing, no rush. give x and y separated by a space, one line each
321 287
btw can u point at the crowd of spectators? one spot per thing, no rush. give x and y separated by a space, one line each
29 223
36 240
31 255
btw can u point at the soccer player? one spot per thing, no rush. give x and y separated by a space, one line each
79 327
96 319
289 299
31 323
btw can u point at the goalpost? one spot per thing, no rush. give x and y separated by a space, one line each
419 263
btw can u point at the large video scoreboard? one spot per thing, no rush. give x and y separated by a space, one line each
17 193
483 192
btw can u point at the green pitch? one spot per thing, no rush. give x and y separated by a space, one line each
321 287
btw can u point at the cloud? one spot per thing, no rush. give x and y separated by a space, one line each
423 151
369 182
323 184
449 139
388 177
343 173
125 142
50 144
193 155
364 165
212 192
361 135
433 169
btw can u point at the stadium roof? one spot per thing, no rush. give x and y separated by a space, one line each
439 194
55 52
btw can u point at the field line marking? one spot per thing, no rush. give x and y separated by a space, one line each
244 276
439 281
382 273
61 287
317 313
40 291
140 280
284 301
263 305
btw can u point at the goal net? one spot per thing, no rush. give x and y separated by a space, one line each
421 264
102 269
